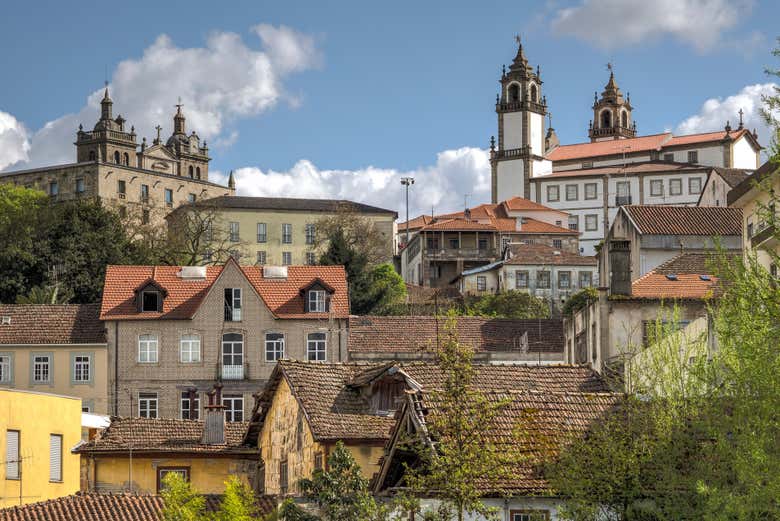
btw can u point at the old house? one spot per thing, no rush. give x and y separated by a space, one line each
55 348
494 340
441 247
610 331
538 269
172 329
135 454
719 183
548 421
756 196
307 407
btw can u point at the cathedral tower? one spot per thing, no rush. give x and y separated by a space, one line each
611 114
521 109
109 141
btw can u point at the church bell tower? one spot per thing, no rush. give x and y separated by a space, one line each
611 113
521 109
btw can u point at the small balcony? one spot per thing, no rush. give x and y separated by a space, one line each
766 237
232 372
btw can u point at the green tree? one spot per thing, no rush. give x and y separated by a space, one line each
340 252
341 493
181 501
507 304
238 503
45 295
455 467
579 300
387 289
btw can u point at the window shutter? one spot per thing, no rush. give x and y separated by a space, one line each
12 455
55 457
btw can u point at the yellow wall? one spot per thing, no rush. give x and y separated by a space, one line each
284 425
752 203
273 246
207 474
36 416
94 394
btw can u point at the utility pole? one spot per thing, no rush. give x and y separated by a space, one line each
407 182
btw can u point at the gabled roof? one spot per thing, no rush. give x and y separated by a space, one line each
546 422
535 254
707 137
764 171
418 334
282 296
164 435
459 224
41 324
97 506
687 276
516 204
292 204
335 409
685 220
732 176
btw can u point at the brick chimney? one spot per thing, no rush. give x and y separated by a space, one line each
214 420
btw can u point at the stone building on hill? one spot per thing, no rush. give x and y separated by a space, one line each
141 181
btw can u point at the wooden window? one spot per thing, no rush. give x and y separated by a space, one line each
283 477
54 188
574 222
147 405
121 188
657 188
481 283
316 347
232 356
310 233
557 243
145 216
186 414
144 193
261 256
41 369
116 157
184 472
521 279
668 158
151 301
12 462
543 279
55 457
80 185
318 461
586 279
82 370
5 368
385 395
168 197
564 279
693 156
190 198
311 258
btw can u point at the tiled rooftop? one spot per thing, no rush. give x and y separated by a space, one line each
687 276
685 220
417 334
38 324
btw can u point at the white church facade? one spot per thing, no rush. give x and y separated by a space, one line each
591 180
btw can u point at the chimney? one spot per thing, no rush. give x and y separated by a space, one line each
214 421
467 214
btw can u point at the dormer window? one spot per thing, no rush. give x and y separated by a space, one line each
317 301
150 301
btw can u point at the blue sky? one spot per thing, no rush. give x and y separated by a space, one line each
348 96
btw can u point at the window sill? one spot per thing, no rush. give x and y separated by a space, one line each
56 481
13 479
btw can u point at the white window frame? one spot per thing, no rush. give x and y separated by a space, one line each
316 300
481 283
262 232
287 233
656 188
234 232
44 366
311 258
286 258
594 187
148 348
235 304
310 233
317 346
189 348
6 368
691 181
276 346
55 458
572 192
79 185
148 405
591 222
12 454
574 223
261 257
79 368
518 278
184 406
553 189
679 184
230 401
564 275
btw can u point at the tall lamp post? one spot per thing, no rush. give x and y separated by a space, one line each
407 182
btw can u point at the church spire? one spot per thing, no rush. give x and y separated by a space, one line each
178 120
105 105
231 181
611 113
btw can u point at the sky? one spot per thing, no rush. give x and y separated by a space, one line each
342 99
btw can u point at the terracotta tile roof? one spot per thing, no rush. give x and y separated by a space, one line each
484 213
95 506
548 422
51 324
369 334
458 224
608 148
516 204
687 276
706 137
282 297
163 435
533 254
335 408
531 225
732 176
685 220
643 167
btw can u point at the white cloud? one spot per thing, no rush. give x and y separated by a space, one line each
716 111
14 145
611 24
224 80
440 186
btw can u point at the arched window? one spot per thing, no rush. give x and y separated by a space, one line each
533 93
514 93
606 119
624 119
127 159
191 172
92 155
116 157
197 173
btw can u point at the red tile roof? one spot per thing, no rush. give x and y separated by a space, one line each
516 204
706 137
164 435
458 224
374 334
643 167
39 324
685 220
687 276
608 148
533 254
484 213
282 296
96 506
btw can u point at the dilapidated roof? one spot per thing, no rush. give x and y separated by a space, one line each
685 220
42 324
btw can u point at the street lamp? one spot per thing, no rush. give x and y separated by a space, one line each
407 181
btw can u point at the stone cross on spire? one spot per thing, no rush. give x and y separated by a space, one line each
517 39
741 113
158 128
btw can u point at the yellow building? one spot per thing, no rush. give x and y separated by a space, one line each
281 230
757 196
37 433
135 454
57 349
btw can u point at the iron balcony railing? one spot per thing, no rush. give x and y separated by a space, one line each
232 371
